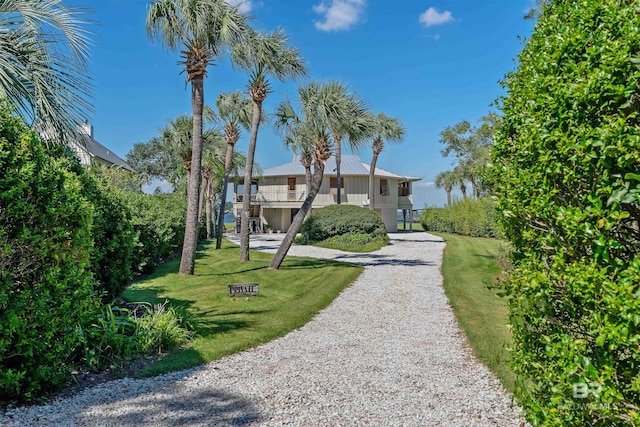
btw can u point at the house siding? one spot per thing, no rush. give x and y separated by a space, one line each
277 200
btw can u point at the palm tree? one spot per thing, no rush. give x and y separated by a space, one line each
308 133
235 111
446 180
212 167
201 30
385 128
262 55
348 118
461 175
44 48
287 123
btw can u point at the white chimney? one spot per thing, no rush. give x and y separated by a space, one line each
86 128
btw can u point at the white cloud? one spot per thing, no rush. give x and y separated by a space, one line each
245 5
339 14
432 17
427 184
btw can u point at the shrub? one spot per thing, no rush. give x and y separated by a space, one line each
108 340
565 172
116 335
45 279
337 220
475 218
158 222
352 242
163 328
112 232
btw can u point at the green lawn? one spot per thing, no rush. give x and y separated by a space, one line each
468 268
416 226
288 299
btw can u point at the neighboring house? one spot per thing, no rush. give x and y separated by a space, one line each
94 152
277 196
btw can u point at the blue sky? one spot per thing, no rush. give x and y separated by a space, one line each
428 63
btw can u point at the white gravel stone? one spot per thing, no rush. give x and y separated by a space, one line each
387 352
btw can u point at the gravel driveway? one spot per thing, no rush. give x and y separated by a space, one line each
387 352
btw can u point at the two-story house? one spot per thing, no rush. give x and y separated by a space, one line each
277 196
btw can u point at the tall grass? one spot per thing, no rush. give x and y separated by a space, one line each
476 218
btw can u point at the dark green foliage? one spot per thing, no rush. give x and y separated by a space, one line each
45 278
566 164
337 220
112 232
355 242
475 218
158 222
116 335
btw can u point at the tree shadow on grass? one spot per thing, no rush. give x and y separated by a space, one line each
309 263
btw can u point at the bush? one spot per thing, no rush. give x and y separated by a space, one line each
565 172
352 242
158 222
45 279
116 335
112 233
475 218
338 220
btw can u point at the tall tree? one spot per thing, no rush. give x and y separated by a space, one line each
471 146
460 176
262 55
348 120
44 48
287 123
307 132
385 128
201 30
235 112
446 180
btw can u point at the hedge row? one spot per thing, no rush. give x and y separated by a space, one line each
67 238
566 174
476 218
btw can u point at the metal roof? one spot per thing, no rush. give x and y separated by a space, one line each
351 165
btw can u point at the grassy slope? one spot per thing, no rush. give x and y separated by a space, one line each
288 298
468 268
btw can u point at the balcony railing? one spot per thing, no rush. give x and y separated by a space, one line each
239 197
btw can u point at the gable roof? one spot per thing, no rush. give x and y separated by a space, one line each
351 165
95 149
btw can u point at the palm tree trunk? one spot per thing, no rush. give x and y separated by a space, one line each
204 184
190 244
463 189
208 211
308 178
449 198
223 196
318 173
372 170
246 198
337 141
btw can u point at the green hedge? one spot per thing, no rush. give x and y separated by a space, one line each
566 173
475 218
338 220
112 232
158 222
45 278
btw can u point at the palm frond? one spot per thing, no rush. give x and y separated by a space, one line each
43 65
